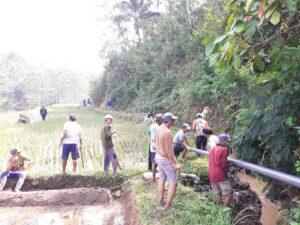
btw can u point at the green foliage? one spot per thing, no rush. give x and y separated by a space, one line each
248 73
260 45
187 208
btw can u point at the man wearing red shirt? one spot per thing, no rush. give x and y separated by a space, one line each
218 166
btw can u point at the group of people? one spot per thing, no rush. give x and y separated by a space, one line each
163 153
165 150
70 143
87 102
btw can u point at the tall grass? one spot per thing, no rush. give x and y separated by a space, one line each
40 140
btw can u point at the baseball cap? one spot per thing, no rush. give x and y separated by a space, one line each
186 126
224 137
13 151
108 116
168 116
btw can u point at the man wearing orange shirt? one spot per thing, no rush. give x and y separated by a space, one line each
166 161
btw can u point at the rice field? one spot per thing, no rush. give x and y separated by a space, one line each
40 140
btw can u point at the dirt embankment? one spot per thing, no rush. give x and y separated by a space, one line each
82 196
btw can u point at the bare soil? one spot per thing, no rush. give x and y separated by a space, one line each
82 196
270 211
130 209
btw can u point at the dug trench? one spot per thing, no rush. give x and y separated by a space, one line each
75 200
101 199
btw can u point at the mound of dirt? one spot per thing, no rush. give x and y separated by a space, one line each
130 209
82 196
69 181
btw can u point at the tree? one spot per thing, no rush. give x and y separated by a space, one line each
133 11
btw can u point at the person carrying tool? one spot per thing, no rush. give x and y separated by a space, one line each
180 141
15 170
152 131
107 144
198 125
70 142
166 161
218 165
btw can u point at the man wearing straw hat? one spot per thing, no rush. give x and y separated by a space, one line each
107 144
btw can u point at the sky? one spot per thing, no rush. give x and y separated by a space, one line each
55 33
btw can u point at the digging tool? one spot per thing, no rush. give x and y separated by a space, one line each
82 161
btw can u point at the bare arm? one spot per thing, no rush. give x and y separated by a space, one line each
62 139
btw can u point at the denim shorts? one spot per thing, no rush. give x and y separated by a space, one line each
152 156
167 169
70 148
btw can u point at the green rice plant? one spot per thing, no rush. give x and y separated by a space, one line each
40 140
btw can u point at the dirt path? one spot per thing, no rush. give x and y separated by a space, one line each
270 211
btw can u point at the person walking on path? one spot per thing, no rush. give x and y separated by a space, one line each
109 104
106 138
166 161
70 142
198 125
212 140
43 112
152 131
15 169
218 165
180 141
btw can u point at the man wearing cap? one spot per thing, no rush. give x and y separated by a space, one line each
15 169
212 140
180 141
218 165
198 125
166 161
70 142
152 131
107 144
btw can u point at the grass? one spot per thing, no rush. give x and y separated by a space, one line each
40 140
187 207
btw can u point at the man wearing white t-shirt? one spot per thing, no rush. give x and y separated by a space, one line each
212 140
72 137
152 131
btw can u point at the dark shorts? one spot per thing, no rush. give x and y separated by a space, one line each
67 148
152 156
11 175
177 150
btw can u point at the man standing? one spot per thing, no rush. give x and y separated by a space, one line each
198 126
72 137
212 140
218 165
107 144
109 104
152 131
166 161
205 112
43 112
180 141
15 169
